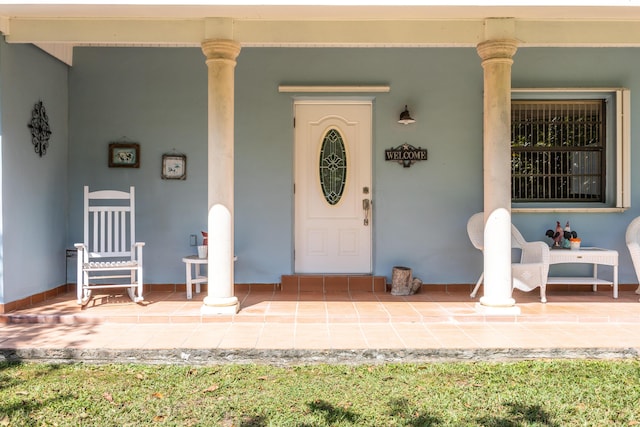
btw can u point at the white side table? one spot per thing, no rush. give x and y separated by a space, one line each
593 256
194 260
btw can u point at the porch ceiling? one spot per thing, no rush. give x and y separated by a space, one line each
58 27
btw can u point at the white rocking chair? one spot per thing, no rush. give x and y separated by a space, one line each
632 237
109 252
533 269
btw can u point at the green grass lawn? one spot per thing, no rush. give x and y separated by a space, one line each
510 394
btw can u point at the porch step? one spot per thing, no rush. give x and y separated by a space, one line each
332 283
267 303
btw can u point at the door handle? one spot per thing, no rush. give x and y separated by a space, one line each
366 207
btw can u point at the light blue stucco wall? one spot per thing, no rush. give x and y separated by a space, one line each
413 208
34 189
158 96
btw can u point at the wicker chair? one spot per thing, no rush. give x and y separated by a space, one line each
633 243
533 269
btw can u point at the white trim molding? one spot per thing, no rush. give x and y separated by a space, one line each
334 89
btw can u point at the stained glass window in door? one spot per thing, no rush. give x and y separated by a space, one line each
333 166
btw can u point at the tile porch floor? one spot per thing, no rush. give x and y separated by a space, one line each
434 324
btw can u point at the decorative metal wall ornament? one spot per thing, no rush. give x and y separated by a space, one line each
40 130
405 154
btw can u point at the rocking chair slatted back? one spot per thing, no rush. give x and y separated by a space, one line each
112 230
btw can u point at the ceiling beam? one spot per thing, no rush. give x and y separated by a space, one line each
105 31
364 33
579 33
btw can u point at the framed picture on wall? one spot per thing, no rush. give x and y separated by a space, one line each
124 155
174 166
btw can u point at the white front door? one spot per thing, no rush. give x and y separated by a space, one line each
333 187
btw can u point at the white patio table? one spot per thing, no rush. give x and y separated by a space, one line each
195 279
586 255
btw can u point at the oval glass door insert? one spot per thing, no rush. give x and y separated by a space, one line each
333 166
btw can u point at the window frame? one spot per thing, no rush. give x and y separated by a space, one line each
618 142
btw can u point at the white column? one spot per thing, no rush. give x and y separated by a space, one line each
496 61
221 61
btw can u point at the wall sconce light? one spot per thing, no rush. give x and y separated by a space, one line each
405 117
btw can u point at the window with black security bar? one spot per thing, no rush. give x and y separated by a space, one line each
558 151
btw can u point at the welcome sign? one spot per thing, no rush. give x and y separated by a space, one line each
405 154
